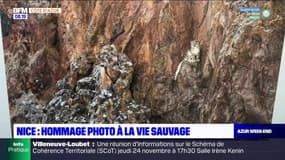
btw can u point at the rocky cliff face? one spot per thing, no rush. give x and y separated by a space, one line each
93 91
234 80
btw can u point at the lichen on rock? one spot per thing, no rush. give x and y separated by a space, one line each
192 56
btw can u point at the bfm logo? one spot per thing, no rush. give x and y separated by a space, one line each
20 13
20 10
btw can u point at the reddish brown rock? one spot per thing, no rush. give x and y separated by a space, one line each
235 80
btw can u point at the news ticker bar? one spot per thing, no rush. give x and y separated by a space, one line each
166 149
149 131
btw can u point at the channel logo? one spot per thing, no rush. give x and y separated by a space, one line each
22 13
255 13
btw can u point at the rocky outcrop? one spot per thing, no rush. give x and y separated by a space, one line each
101 94
234 81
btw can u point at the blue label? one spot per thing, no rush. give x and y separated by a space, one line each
20 16
253 131
255 9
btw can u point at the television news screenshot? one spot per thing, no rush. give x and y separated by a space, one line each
142 79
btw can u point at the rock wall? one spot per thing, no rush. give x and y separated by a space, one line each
234 81
93 91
